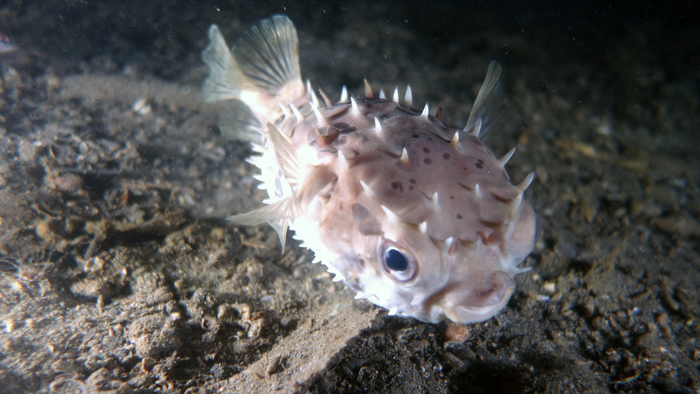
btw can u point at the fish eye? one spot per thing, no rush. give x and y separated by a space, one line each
397 262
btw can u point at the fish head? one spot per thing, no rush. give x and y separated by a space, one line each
406 269
481 273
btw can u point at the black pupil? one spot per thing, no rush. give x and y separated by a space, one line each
395 260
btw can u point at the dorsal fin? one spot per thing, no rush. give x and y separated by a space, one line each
262 69
487 102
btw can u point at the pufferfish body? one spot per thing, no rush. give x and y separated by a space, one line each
413 215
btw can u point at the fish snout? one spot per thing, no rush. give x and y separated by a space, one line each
478 302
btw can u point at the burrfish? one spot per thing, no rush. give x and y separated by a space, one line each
413 215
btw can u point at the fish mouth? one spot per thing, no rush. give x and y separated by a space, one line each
470 314
472 304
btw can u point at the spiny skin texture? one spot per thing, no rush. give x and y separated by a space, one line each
413 215
491 230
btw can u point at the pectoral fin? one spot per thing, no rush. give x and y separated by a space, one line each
278 214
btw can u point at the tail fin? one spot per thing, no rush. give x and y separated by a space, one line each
262 69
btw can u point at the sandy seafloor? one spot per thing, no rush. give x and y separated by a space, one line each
119 273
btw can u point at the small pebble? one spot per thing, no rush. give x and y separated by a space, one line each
456 332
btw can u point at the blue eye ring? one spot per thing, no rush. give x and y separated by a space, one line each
397 262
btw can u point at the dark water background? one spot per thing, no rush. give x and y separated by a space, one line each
163 37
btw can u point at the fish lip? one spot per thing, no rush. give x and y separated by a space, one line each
460 302
465 314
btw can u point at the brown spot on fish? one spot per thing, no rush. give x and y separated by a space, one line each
371 227
360 213
446 156
492 239
344 128
340 142
332 133
427 161
368 224
397 186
